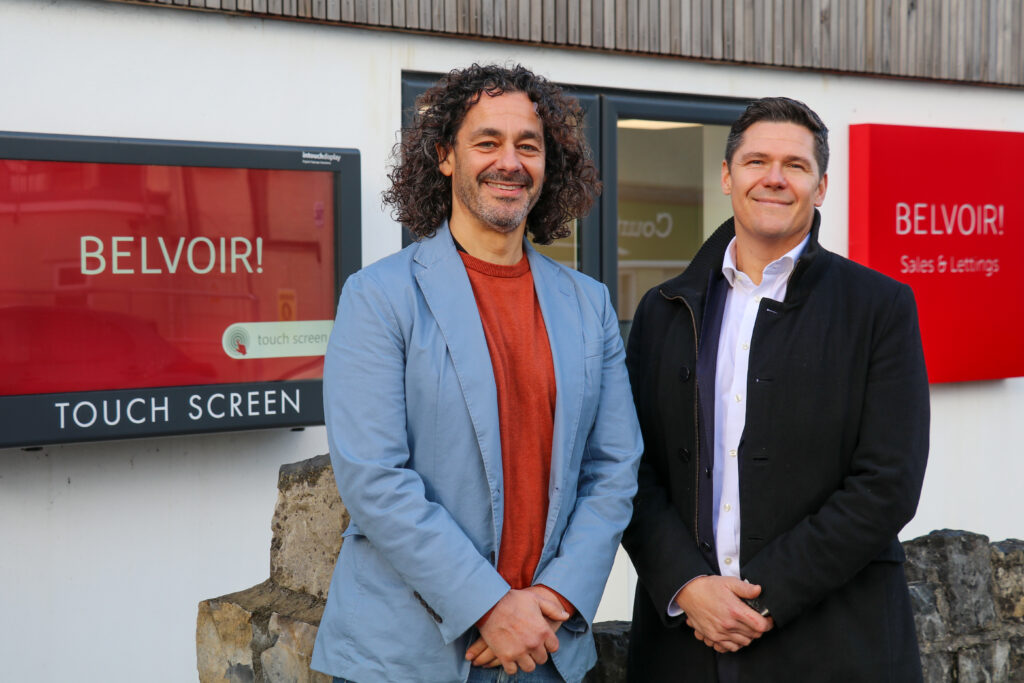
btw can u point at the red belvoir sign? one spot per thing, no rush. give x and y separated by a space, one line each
943 211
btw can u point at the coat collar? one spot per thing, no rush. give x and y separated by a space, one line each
445 286
692 283
562 319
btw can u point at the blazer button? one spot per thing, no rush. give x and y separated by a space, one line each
705 546
684 453
684 374
707 472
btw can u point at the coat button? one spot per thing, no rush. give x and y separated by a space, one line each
684 374
705 546
684 453
707 472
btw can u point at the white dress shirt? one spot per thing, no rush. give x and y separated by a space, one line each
741 305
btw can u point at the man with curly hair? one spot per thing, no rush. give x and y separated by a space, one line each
479 415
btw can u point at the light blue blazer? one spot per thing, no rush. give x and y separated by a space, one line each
412 422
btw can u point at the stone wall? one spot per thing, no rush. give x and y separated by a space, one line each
968 598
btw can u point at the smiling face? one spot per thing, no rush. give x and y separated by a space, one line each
496 164
774 182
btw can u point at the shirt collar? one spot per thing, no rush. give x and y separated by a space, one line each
781 266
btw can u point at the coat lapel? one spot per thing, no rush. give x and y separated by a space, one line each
449 296
560 309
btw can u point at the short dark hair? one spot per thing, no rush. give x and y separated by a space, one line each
780 110
421 196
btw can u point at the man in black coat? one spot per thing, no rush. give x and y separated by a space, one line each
783 399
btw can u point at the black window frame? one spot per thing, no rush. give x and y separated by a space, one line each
603 107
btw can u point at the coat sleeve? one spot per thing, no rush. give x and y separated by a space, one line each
882 485
365 411
606 484
662 548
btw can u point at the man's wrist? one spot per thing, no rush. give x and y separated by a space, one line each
487 615
566 605
674 608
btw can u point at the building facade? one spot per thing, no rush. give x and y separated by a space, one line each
109 546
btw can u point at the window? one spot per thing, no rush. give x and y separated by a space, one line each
660 159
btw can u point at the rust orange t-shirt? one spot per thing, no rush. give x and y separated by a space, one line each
524 375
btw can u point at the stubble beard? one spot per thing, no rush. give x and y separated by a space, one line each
505 216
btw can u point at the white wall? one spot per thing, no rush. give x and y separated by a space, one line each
106 549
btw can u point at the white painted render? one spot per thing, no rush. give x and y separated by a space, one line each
106 549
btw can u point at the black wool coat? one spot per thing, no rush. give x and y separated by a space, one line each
831 463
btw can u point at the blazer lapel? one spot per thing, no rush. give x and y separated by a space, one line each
561 313
449 296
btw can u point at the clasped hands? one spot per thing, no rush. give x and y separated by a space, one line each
520 631
716 612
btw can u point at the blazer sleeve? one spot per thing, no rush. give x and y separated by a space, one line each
365 411
661 546
606 484
880 491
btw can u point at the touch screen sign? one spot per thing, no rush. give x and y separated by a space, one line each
161 297
943 211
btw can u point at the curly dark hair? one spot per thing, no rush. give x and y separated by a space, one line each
421 196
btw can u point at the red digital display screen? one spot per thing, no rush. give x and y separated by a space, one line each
127 275
942 210
160 287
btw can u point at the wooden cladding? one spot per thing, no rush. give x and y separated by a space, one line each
976 41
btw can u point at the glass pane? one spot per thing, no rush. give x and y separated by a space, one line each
670 199
566 250
144 267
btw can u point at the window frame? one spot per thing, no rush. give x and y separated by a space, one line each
659 107
597 237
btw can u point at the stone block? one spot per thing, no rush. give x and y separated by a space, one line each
959 565
928 602
612 641
984 663
1017 659
224 643
937 667
234 632
287 660
1008 578
307 525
